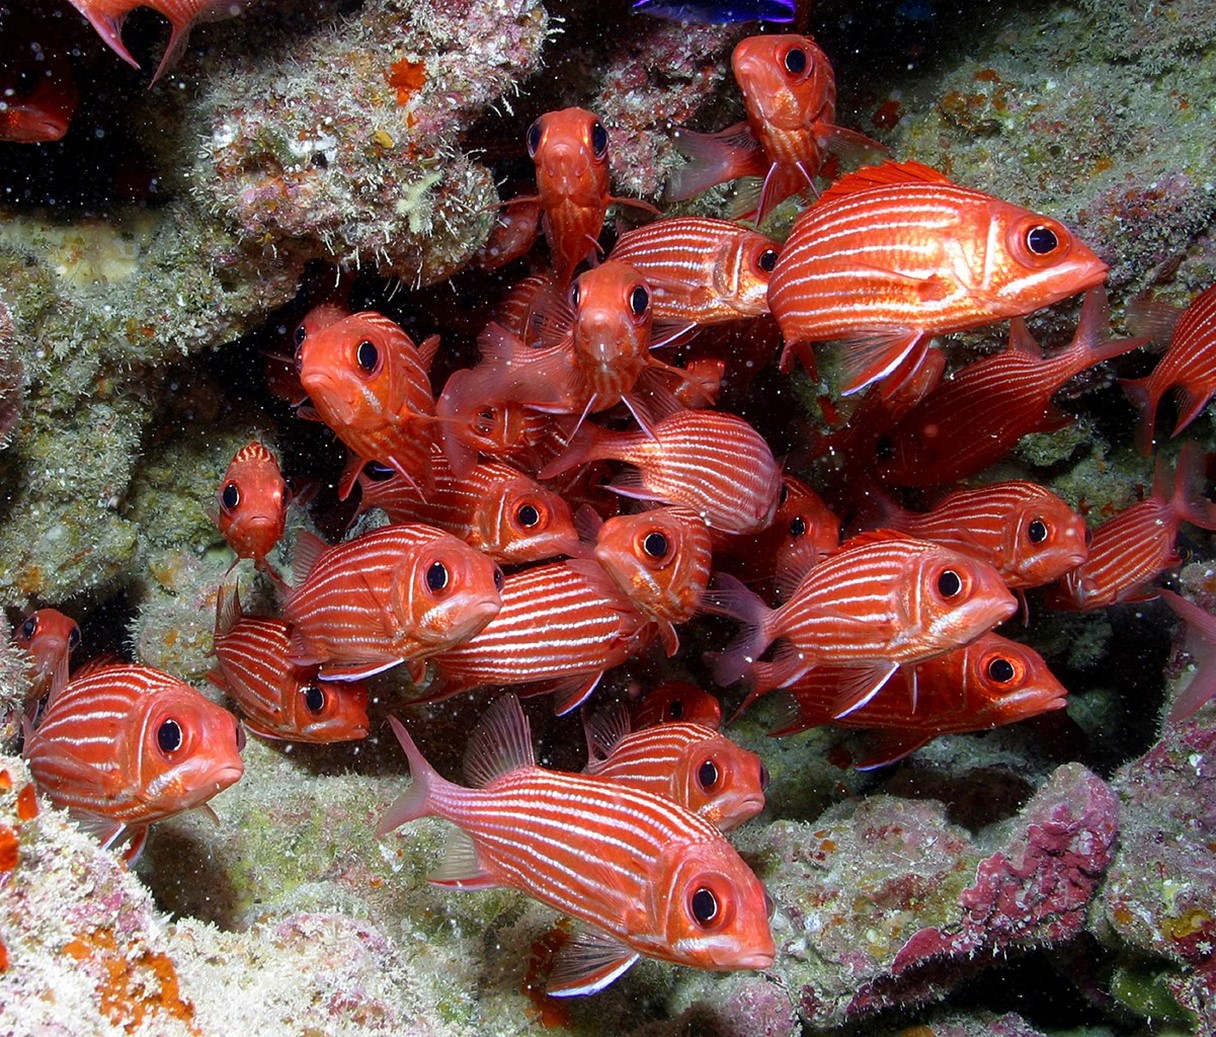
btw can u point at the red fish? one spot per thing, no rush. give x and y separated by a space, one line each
649 877
714 463
253 500
570 149
513 236
49 638
690 764
1189 364
976 417
396 594
894 255
369 383
1200 643
988 683
38 94
125 745
562 624
107 17
789 89
661 560
1136 545
278 698
676 700
700 270
495 508
883 600
1022 529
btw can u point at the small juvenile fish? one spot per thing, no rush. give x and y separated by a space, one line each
714 463
396 594
49 638
690 764
647 876
893 255
125 745
278 698
1188 367
253 500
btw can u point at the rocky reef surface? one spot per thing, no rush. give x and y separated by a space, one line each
1046 879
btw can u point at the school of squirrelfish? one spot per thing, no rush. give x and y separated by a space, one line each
589 492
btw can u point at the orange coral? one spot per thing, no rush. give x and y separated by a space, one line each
407 78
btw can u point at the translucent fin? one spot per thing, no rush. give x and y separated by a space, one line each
589 961
460 866
501 743
603 730
858 686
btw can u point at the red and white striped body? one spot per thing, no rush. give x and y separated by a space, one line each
395 594
252 500
48 637
700 270
131 745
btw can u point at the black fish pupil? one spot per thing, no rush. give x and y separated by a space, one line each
1037 531
655 545
74 637
704 906
639 299
1001 670
533 139
26 82
367 356
1042 241
29 627
231 497
676 710
301 334
768 260
707 774
437 576
795 61
169 736
599 140
949 583
528 516
499 579
798 526
314 698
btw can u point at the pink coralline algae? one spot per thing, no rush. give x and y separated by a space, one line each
906 905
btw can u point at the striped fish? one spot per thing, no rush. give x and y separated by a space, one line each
125 745
564 624
700 270
894 255
368 382
1188 366
690 764
647 876
883 600
976 417
494 508
278 698
49 638
396 594
661 560
714 463
988 683
253 499
1136 545
1027 533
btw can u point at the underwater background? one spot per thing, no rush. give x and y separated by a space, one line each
1055 876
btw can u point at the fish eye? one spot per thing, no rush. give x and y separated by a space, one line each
795 61
1036 532
768 260
949 583
437 577
1001 670
764 778
367 356
533 139
599 140
784 495
884 449
169 736
655 544
230 497
499 579
301 333
639 300
798 526
575 295
527 515
314 698
676 710
74 637
707 774
1042 241
29 627
704 906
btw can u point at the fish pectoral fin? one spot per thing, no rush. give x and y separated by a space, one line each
104 829
588 963
872 355
570 693
859 685
354 671
460 866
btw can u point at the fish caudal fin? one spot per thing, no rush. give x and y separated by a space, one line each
731 598
714 158
1188 500
414 802
108 24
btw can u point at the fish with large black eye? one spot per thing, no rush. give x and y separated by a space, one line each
49 638
253 500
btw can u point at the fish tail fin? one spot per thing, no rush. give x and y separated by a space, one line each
178 34
414 802
1188 500
1139 393
109 26
731 598
714 158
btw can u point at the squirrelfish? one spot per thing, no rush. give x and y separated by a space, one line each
279 698
125 745
38 94
647 876
691 764
395 594
252 500
49 638
894 255
676 700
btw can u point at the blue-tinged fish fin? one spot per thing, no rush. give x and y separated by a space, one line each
572 692
354 671
871 356
460 866
104 829
500 743
603 730
629 484
858 686
886 745
588 962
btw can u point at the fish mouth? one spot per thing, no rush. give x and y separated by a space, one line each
756 960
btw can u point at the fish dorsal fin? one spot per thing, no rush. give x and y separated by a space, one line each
427 351
227 610
501 743
309 548
589 962
460 866
604 730
881 176
874 536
